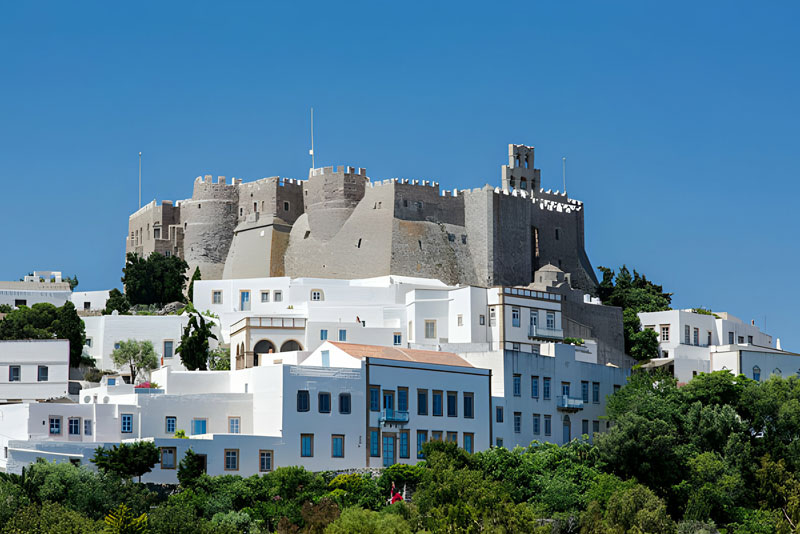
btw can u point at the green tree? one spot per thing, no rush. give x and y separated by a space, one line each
127 460
640 344
137 355
358 521
117 301
73 282
49 518
122 520
194 343
45 321
190 468
638 510
219 359
195 276
154 280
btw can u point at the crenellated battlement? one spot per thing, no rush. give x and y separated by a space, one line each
341 169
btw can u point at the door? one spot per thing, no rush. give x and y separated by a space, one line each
388 403
567 430
388 450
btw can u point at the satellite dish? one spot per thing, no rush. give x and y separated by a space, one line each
105 400
87 398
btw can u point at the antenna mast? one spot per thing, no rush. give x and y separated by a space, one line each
564 172
311 152
140 179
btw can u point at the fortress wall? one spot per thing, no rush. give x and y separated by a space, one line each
266 197
141 238
511 230
331 198
423 202
478 209
290 191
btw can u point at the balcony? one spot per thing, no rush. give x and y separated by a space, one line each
393 416
569 404
543 332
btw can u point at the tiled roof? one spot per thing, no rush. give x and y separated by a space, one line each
397 353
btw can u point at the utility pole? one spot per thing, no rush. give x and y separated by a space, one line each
140 179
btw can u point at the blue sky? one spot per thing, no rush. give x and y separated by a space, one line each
679 122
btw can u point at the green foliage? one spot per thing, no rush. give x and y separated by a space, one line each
45 321
154 280
194 343
127 460
117 301
122 520
195 276
573 341
219 359
359 521
638 510
138 356
6 308
49 518
704 311
190 468
640 344
73 282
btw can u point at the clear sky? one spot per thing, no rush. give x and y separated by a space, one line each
679 121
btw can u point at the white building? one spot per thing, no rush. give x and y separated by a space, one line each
33 291
688 340
340 407
104 333
90 301
33 370
758 363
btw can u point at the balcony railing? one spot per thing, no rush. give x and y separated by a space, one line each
541 331
394 416
573 404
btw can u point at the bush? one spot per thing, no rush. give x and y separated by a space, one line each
50 518
359 521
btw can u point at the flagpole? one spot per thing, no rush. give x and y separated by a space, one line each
312 138
140 179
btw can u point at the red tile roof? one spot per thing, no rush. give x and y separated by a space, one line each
397 353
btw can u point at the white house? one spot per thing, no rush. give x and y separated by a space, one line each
688 340
90 301
33 291
33 370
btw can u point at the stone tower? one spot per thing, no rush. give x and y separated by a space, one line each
331 198
519 173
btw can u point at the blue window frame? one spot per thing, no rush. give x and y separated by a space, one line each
374 443
546 387
127 423
585 391
437 403
326 358
468 442
168 349
55 425
344 403
517 384
303 401
306 445
402 399
469 405
422 437
171 423
498 414
198 426
537 424
342 334
548 425
374 399
324 402
422 402
596 392
398 339
535 387
338 446
404 444
323 335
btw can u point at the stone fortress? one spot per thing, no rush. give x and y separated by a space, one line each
341 224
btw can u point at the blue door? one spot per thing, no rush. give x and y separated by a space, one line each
567 429
388 451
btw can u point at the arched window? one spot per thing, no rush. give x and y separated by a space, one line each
317 294
756 372
265 346
290 346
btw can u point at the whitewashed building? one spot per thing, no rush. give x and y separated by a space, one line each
90 301
33 370
689 341
32 290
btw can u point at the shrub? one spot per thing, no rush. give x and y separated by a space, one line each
359 521
50 518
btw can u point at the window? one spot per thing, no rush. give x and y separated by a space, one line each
469 405
498 413
170 422
741 339
482 320
374 398
374 443
437 403
88 342
402 399
264 461
326 358
244 300
469 440
410 329
344 403
430 329
756 373
515 317
548 425
585 391
595 427
342 334
112 381
14 373
398 339
750 340
546 387
460 320
234 425
686 334
74 426
265 296
730 338
198 426
404 444
696 336
436 435
492 317
323 335
168 353
55 425
278 296
126 426
664 333
303 401
285 205
337 446
596 392
515 346
498 442
537 424
306 445
116 345
551 321
452 437
535 387
216 297
517 422
168 457
231 459
585 427
156 233
709 338
87 427
452 404
43 372
534 320
324 402
517 385
422 437
422 402
616 387
316 295
557 234
565 387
